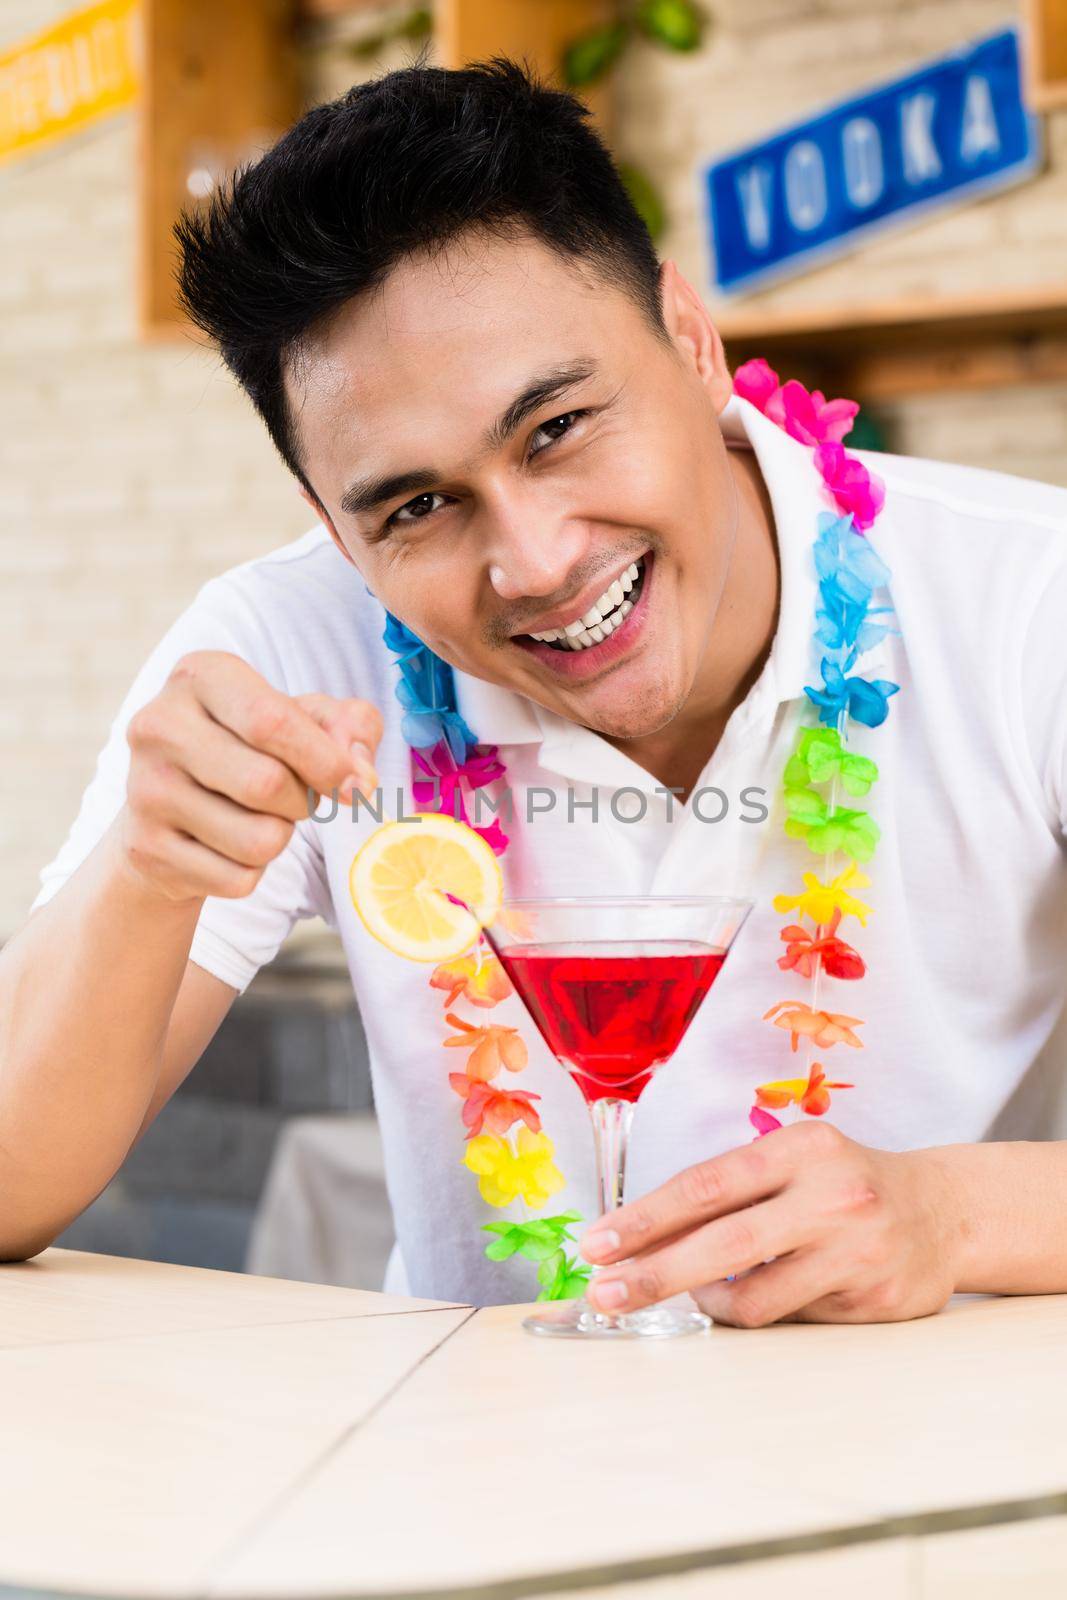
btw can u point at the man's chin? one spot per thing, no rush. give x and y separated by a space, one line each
644 712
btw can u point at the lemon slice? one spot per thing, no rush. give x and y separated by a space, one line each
400 879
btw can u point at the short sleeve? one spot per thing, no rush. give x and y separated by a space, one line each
1044 693
234 938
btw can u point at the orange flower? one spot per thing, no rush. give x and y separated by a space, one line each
495 1109
824 1028
811 1095
476 977
493 1047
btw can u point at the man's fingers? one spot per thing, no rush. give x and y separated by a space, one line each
265 719
355 726
220 762
349 721
770 1293
731 1244
175 862
710 1189
246 838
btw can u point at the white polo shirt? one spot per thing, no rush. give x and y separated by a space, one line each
966 951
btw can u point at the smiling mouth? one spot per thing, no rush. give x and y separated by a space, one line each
602 618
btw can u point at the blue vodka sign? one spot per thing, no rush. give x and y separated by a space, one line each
956 128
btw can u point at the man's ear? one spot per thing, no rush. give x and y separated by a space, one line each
325 518
696 336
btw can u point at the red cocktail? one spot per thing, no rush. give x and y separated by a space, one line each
612 985
615 1013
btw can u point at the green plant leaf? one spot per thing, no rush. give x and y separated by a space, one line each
589 57
647 202
414 25
676 23
369 45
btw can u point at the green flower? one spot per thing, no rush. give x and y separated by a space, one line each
819 756
562 1277
537 1240
809 817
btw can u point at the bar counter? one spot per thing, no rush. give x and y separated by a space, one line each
167 1431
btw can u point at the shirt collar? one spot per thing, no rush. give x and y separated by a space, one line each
500 716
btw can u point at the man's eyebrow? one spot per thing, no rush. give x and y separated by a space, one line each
366 493
542 388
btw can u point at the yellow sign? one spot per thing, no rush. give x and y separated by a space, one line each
67 76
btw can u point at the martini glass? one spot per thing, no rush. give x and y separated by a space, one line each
612 985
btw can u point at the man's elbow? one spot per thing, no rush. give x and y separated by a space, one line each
12 1251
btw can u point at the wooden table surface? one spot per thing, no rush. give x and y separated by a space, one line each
166 1431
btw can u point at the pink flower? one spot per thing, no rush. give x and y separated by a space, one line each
855 490
757 382
495 837
441 787
762 1121
811 418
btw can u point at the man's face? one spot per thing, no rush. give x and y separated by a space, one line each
504 448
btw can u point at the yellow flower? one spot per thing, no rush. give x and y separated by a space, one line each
478 978
504 1172
820 900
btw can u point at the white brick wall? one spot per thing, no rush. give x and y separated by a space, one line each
129 474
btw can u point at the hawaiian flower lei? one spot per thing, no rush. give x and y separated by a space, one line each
820 765
506 1148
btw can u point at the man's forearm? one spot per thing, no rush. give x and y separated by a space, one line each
87 989
1011 1205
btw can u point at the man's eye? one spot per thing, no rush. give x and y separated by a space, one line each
556 428
418 510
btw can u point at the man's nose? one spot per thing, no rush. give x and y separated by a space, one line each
533 546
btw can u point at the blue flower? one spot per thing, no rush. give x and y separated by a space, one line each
862 701
426 689
849 570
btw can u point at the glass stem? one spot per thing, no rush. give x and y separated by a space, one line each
612 1120
611 1135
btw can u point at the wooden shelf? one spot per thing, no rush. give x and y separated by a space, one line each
221 84
219 87
1046 53
887 350
315 10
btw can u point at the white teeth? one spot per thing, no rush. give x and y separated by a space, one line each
600 620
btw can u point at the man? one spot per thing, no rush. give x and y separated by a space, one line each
497 403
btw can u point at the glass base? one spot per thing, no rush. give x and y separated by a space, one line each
576 1319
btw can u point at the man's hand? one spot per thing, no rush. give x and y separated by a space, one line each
810 1226
220 768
